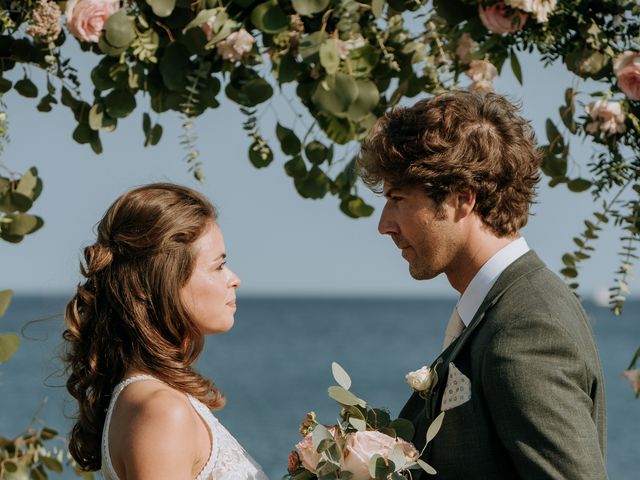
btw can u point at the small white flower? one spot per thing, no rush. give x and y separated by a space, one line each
236 45
421 380
345 46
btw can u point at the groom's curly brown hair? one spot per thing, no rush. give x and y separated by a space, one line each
457 140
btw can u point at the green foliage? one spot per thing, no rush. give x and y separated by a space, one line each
350 62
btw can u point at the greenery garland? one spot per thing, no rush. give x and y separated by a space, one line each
350 61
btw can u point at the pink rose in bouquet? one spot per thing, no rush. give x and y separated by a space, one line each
627 70
309 456
362 446
86 18
357 444
498 20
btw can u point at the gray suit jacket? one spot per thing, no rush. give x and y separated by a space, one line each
537 407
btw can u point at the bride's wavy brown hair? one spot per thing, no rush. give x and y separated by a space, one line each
128 313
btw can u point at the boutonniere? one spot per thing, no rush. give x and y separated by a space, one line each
424 380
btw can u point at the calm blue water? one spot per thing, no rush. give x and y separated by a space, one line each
274 366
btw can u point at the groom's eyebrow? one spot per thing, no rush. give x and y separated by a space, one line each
390 192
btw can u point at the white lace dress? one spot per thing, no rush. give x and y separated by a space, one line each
227 461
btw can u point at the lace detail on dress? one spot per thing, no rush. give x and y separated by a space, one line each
227 460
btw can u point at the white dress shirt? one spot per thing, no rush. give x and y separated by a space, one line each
482 282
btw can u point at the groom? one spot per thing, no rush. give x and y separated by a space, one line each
519 377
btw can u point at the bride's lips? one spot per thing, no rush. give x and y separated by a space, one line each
231 303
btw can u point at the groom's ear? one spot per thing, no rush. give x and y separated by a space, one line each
464 202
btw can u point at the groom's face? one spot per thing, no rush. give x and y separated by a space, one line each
424 231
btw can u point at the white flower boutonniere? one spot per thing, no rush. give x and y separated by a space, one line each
424 380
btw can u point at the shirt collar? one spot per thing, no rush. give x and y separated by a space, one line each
482 282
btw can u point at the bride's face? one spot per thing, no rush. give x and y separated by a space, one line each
210 292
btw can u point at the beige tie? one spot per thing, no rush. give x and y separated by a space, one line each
454 329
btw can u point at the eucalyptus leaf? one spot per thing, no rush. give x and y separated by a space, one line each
51 464
310 44
268 17
28 183
373 464
119 103
341 376
367 99
358 423
345 397
377 7
434 428
5 300
23 224
309 7
579 185
162 8
403 428
320 433
5 85
316 152
397 456
330 56
9 343
26 88
120 30
260 155
355 207
289 142
296 167
203 16
426 467
337 98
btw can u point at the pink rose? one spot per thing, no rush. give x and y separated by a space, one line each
483 86
86 18
482 74
634 379
627 69
361 446
236 45
307 452
497 20
465 47
540 8
606 117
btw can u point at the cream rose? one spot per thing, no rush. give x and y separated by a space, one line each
497 20
634 379
236 45
361 446
606 117
421 380
482 74
540 8
627 69
86 18
307 452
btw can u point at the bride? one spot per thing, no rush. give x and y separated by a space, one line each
156 284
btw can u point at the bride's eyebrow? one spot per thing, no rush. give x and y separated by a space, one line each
222 256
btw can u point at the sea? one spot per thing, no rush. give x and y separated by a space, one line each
275 365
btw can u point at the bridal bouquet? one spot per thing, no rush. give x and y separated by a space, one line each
364 444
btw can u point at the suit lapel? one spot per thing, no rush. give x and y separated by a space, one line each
421 411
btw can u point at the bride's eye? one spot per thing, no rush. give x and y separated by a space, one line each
221 267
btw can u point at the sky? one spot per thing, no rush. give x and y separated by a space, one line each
277 242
